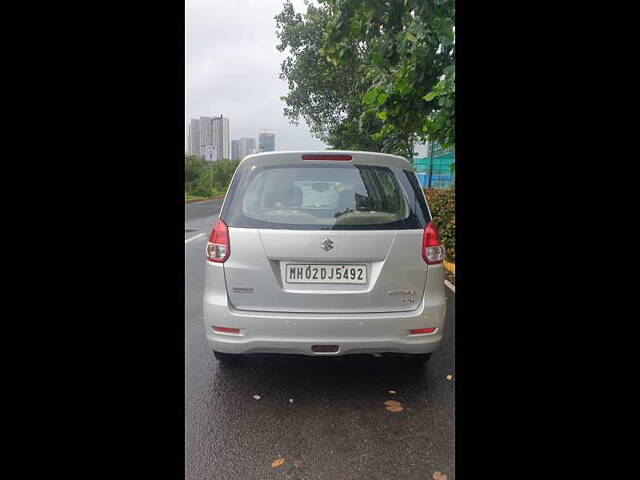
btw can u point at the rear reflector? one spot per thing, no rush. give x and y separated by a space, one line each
417 331
226 329
342 158
324 348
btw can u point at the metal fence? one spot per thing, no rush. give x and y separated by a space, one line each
435 170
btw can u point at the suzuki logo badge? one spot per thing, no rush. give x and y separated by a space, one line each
326 244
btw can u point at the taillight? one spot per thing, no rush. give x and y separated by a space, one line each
218 248
432 248
342 158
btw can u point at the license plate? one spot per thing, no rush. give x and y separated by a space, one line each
306 273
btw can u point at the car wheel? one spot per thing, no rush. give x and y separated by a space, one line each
416 358
227 357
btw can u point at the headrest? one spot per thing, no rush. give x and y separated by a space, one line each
346 200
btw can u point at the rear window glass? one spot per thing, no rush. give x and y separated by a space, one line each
334 197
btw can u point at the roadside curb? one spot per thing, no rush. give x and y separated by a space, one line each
191 200
450 267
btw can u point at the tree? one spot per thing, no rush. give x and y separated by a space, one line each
205 179
371 74
194 170
221 173
412 66
327 94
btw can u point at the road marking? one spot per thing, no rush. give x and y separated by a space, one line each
450 285
194 237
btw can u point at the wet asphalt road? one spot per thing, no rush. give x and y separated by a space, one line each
337 426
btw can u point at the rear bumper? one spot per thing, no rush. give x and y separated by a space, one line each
302 346
296 333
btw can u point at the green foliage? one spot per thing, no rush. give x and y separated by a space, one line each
411 48
442 204
221 173
440 124
325 92
371 75
204 179
194 168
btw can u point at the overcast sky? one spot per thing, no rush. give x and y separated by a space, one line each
232 68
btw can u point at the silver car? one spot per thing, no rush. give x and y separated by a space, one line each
324 253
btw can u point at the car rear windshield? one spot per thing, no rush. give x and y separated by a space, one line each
325 197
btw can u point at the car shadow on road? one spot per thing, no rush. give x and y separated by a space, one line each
328 377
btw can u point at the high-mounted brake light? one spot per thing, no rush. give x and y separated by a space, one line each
432 248
218 248
342 158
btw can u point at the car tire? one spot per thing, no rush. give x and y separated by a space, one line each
416 358
227 357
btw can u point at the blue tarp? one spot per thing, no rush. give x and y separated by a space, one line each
440 169
437 180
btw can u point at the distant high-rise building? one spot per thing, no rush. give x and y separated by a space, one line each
267 142
221 136
246 146
193 142
207 132
235 149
